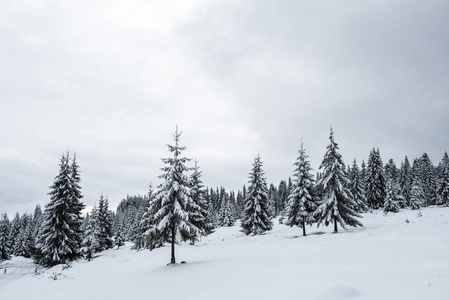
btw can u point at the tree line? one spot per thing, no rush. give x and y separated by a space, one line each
182 209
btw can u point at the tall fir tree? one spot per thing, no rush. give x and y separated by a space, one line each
91 239
443 181
405 181
256 219
428 178
76 205
58 241
393 198
200 217
5 241
417 196
375 180
357 188
336 200
104 224
301 204
175 206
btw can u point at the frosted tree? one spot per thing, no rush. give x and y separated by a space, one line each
300 204
357 188
428 178
443 181
38 217
58 241
417 196
393 198
24 241
175 206
200 217
336 200
5 241
405 180
91 240
104 223
119 237
375 181
76 205
256 219
226 218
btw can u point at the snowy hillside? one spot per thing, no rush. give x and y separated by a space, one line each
399 256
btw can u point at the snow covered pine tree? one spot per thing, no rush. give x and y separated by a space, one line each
300 204
59 239
336 201
256 219
173 218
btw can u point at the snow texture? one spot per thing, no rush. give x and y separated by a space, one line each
387 259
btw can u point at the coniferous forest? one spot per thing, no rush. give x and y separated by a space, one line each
182 209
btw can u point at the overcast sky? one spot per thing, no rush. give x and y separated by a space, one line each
111 79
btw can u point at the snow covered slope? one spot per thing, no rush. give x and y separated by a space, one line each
387 259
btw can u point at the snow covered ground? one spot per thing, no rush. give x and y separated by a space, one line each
387 259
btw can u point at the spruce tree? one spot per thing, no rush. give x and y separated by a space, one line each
405 180
176 207
443 181
428 179
300 204
200 217
375 181
357 189
119 237
393 198
256 219
76 205
417 195
336 199
58 241
91 239
104 224
5 241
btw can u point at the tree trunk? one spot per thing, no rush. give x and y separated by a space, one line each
303 228
335 224
173 260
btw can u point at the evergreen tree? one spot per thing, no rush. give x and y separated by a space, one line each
428 179
104 224
91 240
226 216
256 219
240 205
375 181
405 180
5 241
24 241
417 196
337 200
200 216
173 218
76 205
357 188
15 231
38 217
58 241
393 198
300 205
443 181
119 237
282 197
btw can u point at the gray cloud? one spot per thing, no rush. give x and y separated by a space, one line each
111 81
